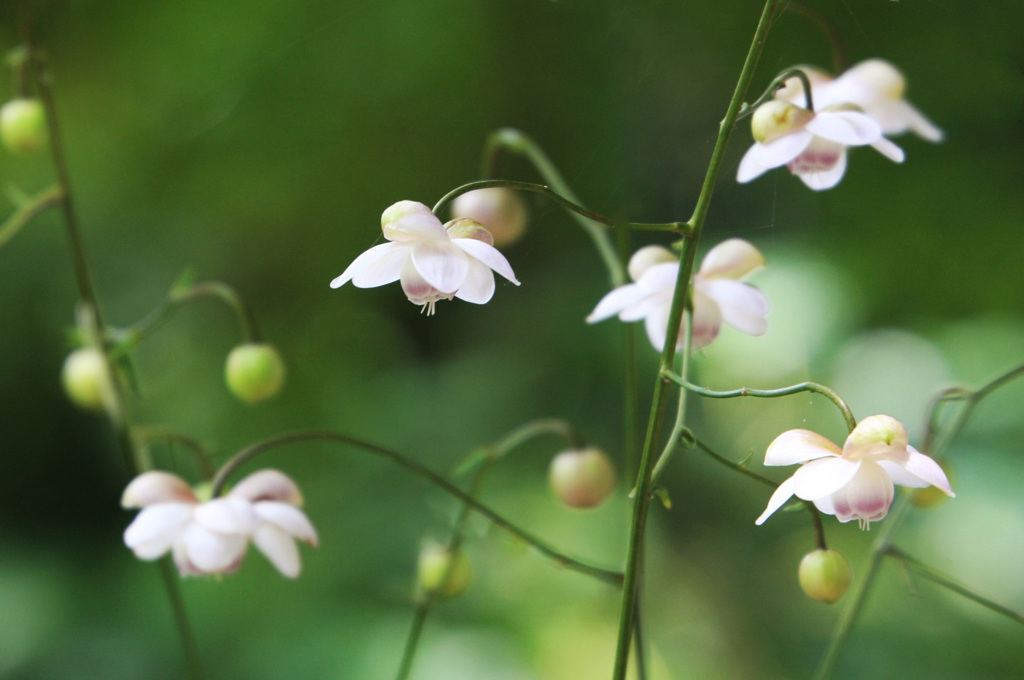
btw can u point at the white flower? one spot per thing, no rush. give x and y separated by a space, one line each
855 482
811 143
718 294
211 537
432 261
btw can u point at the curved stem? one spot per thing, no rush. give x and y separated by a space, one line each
437 480
202 456
777 82
642 498
27 211
962 394
851 422
835 38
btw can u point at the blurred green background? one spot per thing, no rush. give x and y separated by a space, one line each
258 142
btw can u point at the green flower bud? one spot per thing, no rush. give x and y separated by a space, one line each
582 478
23 125
254 372
825 575
86 380
436 563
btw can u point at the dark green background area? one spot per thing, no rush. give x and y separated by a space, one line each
258 142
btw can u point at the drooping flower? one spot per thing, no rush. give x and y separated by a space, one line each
432 261
211 537
812 144
855 482
719 295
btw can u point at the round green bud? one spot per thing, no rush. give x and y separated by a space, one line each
582 478
85 379
445 573
255 372
825 575
23 125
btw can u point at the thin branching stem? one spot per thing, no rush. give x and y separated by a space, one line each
28 210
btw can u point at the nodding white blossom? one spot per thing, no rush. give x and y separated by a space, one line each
855 482
719 295
432 261
211 537
812 144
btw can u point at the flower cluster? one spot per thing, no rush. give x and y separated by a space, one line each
719 295
211 537
856 109
433 261
855 482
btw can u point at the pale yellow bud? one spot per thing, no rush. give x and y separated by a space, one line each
448 574
825 575
582 478
775 119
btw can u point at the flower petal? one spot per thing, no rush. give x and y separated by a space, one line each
279 548
156 486
778 499
707 317
646 257
155 529
731 259
288 518
742 306
826 178
656 325
478 287
210 551
267 485
616 301
411 221
850 128
889 150
749 167
799 446
866 497
441 264
488 255
918 123
878 429
782 150
226 515
918 471
378 266
824 477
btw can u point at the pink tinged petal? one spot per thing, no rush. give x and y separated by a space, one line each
411 221
707 318
656 325
889 150
441 264
824 178
731 259
181 561
416 287
616 301
782 150
799 446
749 167
155 529
156 486
267 485
742 306
378 266
919 471
778 499
278 547
488 255
478 287
850 128
867 497
824 477
210 551
226 515
289 519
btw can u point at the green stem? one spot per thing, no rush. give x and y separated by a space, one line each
851 422
972 398
607 575
835 38
26 212
514 141
118 413
147 436
642 498
630 383
948 582
773 87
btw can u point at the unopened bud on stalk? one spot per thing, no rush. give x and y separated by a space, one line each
255 372
500 210
775 119
23 125
86 380
582 478
445 573
825 575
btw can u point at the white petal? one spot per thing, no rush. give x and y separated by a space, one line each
825 505
616 301
267 485
159 524
279 548
778 499
707 317
927 470
407 221
646 257
288 518
851 128
799 446
156 486
749 167
649 305
731 259
823 477
488 255
867 497
783 149
212 552
820 180
877 429
889 150
656 325
378 266
441 264
742 306
226 515
478 287
920 124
